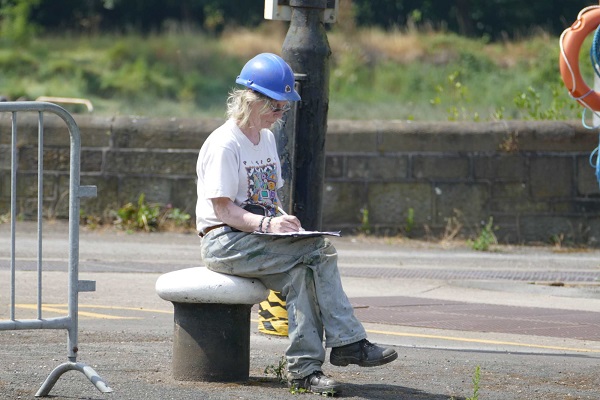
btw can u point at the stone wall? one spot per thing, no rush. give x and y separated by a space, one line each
533 178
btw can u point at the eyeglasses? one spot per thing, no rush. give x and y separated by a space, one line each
285 108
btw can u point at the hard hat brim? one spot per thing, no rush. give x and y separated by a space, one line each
292 95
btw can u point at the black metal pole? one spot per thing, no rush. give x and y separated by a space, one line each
306 49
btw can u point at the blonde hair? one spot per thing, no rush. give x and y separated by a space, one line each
240 103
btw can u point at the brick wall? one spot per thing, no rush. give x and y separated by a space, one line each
533 178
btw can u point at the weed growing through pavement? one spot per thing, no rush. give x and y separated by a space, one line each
557 240
486 237
410 221
476 380
453 226
148 217
278 370
296 390
365 225
4 218
91 221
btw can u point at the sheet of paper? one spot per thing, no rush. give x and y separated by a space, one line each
298 234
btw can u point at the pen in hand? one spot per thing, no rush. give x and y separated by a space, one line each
284 213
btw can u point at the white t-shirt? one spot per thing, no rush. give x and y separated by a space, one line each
230 165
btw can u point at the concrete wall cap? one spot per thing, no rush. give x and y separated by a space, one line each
201 285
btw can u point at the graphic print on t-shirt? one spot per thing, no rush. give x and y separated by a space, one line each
262 184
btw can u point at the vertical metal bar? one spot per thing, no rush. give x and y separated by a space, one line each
13 213
74 239
40 209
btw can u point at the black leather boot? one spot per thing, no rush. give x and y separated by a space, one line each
362 353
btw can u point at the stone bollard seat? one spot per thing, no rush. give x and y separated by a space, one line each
211 339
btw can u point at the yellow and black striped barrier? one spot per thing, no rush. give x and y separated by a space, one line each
272 315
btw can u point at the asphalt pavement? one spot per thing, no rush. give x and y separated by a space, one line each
515 322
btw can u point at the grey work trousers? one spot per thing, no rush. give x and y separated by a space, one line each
305 271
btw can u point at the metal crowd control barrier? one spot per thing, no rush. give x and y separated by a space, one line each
76 192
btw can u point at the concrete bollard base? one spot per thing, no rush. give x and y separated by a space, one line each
211 342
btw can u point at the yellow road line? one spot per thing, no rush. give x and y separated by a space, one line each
118 308
62 308
58 309
484 341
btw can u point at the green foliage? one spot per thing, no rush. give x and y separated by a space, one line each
278 370
557 240
296 390
91 221
476 383
346 74
560 107
140 216
177 217
6 217
188 74
454 79
123 75
24 62
458 96
410 221
16 26
365 225
148 217
486 237
214 17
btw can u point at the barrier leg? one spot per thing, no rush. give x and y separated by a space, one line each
68 366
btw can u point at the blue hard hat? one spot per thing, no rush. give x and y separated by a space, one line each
270 75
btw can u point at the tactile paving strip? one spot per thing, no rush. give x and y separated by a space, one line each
476 274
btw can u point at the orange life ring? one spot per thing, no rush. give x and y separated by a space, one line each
570 41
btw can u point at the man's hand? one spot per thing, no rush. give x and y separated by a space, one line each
284 224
